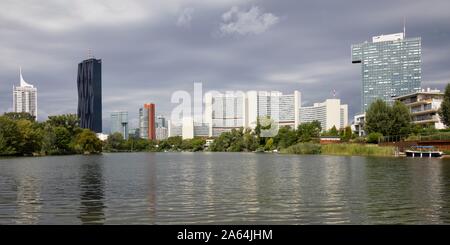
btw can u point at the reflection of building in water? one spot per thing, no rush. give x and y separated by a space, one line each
91 193
28 200
426 189
152 184
445 192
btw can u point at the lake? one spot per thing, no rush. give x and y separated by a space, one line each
223 188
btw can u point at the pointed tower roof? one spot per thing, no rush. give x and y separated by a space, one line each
22 81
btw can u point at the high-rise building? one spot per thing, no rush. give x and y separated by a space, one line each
390 67
161 122
147 122
329 113
89 83
281 108
224 112
119 123
25 97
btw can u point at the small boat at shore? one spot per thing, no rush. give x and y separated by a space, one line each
423 151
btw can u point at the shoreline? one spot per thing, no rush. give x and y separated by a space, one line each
276 153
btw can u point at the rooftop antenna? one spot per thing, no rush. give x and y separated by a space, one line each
334 93
404 27
90 56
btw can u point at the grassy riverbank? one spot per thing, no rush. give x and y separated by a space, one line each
340 149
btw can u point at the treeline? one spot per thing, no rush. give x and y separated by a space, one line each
247 140
116 143
22 135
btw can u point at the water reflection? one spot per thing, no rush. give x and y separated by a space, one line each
444 213
91 191
28 200
223 188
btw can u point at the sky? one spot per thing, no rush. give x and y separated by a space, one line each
150 49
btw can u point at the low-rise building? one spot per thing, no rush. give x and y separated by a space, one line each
424 107
329 113
358 124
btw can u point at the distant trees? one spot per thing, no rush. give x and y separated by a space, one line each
444 111
308 131
20 134
388 120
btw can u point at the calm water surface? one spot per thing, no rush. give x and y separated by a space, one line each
223 188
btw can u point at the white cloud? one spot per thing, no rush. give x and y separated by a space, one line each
185 17
253 21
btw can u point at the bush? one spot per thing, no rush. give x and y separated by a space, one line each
359 140
303 148
373 138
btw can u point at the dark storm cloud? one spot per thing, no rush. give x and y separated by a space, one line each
150 50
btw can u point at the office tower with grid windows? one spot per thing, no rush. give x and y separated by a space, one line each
390 67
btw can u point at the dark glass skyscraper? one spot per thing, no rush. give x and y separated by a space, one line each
89 83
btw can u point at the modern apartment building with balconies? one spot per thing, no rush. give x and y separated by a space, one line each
424 107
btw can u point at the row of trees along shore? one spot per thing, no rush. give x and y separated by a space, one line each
20 134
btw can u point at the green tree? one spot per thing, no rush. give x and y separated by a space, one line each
269 145
63 140
30 135
378 118
175 142
250 141
444 111
10 137
87 142
374 138
346 134
285 137
68 121
306 132
115 142
20 116
400 119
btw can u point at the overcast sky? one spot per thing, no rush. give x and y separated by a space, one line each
149 49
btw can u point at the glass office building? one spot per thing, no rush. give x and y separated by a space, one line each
89 82
390 67
119 123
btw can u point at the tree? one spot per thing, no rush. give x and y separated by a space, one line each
30 135
346 134
378 118
444 111
115 142
388 120
10 137
19 116
175 142
400 119
374 138
332 132
285 137
250 141
308 131
87 142
269 145
68 121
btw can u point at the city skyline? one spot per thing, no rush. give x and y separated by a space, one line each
169 52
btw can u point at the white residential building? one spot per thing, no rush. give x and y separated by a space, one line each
329 113
424 107
25 97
